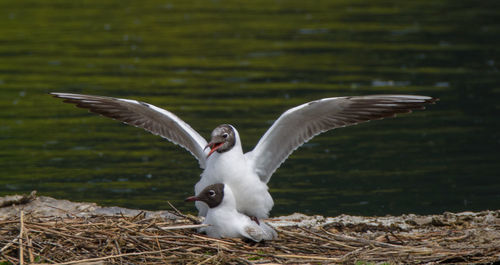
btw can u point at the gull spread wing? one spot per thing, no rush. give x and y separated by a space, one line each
143 115
298 125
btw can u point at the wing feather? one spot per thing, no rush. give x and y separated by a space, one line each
298 125
143 115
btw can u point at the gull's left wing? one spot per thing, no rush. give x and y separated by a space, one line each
298 125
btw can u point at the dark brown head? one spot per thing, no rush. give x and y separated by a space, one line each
212 195
222 140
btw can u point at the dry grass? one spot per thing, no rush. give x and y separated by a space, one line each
137 240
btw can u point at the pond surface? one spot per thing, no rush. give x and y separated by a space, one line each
214 62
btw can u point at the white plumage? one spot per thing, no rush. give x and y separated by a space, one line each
225 221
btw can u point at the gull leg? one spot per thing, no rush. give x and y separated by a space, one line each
255 219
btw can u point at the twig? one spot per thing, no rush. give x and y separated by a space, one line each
16 239
196 221
183 227
60 233
141 213
118 250
210 239
352 253
207 260
308 257
159 246
111 257
21 231
30 248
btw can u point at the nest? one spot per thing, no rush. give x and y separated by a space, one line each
139 240
41 230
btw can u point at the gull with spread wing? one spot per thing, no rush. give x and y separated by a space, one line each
222 158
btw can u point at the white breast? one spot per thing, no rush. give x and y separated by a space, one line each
231 168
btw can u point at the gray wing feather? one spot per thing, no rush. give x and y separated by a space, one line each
143 115
260 232
298 125
253 232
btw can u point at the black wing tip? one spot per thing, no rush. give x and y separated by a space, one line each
432 100
55 94
63 95
72 98
429 99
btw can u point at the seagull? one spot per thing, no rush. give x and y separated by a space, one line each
222 158
223 218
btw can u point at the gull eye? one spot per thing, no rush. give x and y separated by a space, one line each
211 193
225 135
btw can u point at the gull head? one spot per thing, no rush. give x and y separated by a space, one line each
212 195
222 140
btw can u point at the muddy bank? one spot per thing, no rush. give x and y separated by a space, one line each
46 230
43 206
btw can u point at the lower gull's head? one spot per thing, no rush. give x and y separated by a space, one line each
223 139
212 195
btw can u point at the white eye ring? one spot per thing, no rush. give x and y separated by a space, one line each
211 193
225 135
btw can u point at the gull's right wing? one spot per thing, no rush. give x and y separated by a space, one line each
143 115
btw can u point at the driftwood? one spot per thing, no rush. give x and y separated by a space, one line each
17 199
464 238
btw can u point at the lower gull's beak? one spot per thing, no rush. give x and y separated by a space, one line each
192 199
213 147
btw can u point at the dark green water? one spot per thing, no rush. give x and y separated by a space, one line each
244 63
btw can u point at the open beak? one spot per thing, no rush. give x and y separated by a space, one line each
192 199
214 145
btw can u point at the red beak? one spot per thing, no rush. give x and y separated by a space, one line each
192 199
213 147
